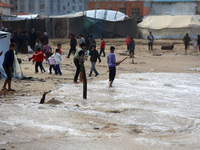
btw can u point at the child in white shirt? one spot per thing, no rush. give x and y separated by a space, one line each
57 57
51 63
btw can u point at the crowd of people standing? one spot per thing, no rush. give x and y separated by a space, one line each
25 40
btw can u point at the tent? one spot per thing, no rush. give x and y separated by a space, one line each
170 26
62 27
5 42
109 15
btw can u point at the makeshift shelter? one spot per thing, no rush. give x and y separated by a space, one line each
174 27
99 23
5 42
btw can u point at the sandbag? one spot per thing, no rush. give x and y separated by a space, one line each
167 47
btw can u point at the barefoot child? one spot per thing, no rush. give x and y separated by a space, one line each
8 67
111 61
38 58
57 57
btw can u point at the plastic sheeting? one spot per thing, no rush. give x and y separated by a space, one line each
4 42
108 15
61 28
180 8
170 26
23 17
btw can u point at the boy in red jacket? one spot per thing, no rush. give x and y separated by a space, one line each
102 47
128 40
38 58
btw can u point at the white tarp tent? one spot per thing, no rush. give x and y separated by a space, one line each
4 42
170 26
4 46
108 15
22 17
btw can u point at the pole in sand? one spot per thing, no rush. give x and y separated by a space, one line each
84 82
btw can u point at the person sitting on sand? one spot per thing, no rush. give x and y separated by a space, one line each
111 61
38 57
8 67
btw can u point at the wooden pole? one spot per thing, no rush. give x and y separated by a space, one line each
84 82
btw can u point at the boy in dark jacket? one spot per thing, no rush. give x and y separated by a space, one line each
94 55
132 48
73 44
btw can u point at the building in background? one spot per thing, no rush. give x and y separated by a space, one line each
14 3
174 7
130 8
51 7
5 9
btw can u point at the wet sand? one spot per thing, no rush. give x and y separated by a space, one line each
69 125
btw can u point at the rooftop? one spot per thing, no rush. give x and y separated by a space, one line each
5 5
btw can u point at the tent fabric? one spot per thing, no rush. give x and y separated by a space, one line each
5 42
102 14
62 28
93 26
170 26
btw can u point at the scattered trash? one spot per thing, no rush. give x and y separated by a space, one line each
54 101
152 70
96 128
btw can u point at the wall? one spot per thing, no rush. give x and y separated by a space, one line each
5 10
117 6
180 8
51 7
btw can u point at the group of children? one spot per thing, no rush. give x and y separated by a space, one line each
53 59
81 54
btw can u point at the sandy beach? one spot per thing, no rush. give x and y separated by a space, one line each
84 124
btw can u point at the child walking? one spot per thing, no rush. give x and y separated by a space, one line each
57 57
38 58
94 55
111 61
51 63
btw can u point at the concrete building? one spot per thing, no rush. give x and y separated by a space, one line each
51 7
130 8
14 3
174 7
5 9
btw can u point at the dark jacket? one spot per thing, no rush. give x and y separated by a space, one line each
8 59
33 37
186 39
94 55
73 42
132 44
198 40
15 38
87 42
24 38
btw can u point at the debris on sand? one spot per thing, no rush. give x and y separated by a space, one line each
54 101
